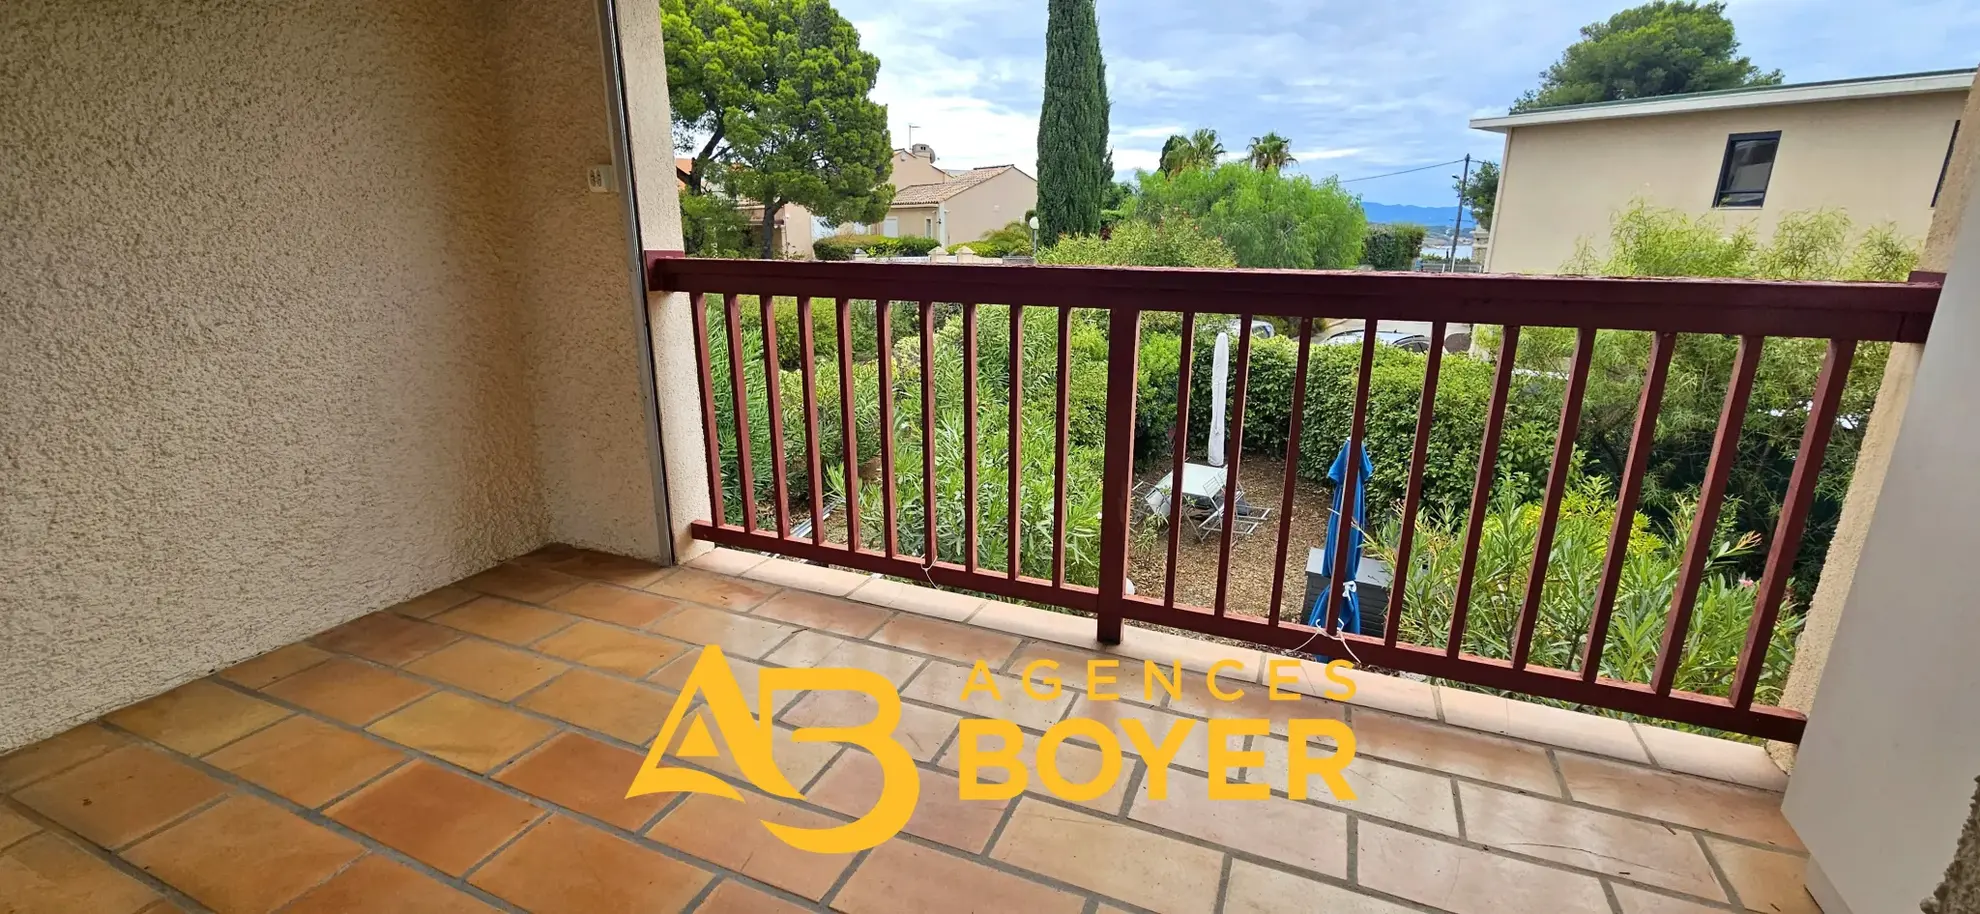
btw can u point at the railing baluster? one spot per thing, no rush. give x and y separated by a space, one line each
890 531
1292 470
1794 514
710 440
1350 475
848 434
1235 437
1705 525
1181 452
1634 467
779 485
1550 511
1481 491
1059 459
1426 408
928 519
1017 406
969 436
732 311
808 350
1117 483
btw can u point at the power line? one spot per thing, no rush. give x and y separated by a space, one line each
1403 172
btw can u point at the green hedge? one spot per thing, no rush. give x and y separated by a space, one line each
994 247
1395 390
1392 247
841 247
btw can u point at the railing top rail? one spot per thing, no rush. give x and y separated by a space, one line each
1896 312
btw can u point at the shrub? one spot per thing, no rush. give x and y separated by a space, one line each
1394 393
993 248
1392 247
1013 238
1580 548
912 246
1649 241
841 247
1266 218
1173 242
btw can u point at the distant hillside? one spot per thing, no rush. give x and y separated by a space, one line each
1421 215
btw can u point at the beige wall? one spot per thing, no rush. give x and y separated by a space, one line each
1876 159
989 206
911 169
1884 772
306 311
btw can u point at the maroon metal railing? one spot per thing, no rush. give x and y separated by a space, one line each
1844 314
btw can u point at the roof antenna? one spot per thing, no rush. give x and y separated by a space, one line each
911 135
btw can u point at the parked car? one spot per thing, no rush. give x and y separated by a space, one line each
1409 342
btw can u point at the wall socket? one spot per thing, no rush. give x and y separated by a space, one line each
599 179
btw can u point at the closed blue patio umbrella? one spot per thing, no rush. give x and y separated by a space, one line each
1350 614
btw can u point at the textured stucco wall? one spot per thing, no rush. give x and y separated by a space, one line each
650 133
294 324
570 262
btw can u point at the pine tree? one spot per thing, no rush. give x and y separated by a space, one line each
1072 125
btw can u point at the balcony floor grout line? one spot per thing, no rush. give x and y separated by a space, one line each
548 807
114 860
782 588
1567 799
1277 793
559 725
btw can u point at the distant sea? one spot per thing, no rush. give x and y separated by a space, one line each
1383 213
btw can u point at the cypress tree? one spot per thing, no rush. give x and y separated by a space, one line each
1072 125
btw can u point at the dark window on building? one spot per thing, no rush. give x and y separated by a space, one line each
1749 163
1941 186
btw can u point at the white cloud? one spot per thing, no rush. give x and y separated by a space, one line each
1362 88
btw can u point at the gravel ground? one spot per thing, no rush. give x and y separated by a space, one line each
1250 589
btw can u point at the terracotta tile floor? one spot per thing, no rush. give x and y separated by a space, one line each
469 750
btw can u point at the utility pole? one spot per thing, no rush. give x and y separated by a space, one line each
1450 266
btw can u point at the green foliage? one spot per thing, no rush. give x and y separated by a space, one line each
841 247
1395 391
1014 238
1197 152
711 226
1115 199
1174 242
1073 161
1666 47
780 89
1645 241
1270 152
1087 398
1481 191
1267 219
1392 247
1652 241
1567 598
719 59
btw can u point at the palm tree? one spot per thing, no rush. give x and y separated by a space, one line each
1271 152
1204 148
1200 149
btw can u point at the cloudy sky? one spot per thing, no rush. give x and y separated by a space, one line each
1361 88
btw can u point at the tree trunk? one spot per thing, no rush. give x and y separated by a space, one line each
769 229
